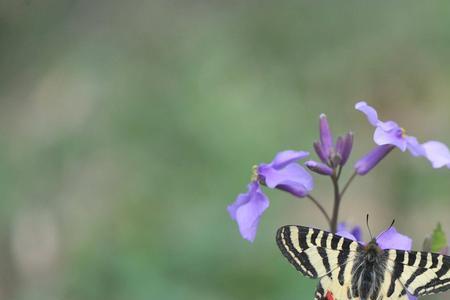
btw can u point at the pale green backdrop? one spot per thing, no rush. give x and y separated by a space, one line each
127 127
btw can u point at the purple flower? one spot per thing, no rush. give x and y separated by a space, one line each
248 209
390 133
392 239
285 174
282 173
389 239
331 155
354 233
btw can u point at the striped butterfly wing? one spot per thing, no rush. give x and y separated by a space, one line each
418 273
320 254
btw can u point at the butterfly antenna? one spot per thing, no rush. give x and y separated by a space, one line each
368 227
392 224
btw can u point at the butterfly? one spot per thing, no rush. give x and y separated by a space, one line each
348 270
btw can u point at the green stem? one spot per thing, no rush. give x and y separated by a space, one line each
337 203
320 207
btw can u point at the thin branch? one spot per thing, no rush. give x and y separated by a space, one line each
339 173
337 203
320 207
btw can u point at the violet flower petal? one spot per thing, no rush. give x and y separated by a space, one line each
248 209
369 111
355 232
341 226
346 234
392 137
390 126
414 147
437 153
391 239
287 157
293 178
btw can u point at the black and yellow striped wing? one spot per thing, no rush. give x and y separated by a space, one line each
418 273
320 254
313 252
333 259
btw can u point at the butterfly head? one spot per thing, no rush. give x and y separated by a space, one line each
373 251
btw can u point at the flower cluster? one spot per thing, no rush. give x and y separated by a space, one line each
389 135
285 172
332 155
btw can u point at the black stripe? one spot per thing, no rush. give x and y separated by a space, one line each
342 259
304 259
445 266
323 254
346 244
314 237
428 288
335 242
411 258
323 240
302 239
423 259
397 272
282 234
416 273
434 260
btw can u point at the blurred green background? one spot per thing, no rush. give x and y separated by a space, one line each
127 127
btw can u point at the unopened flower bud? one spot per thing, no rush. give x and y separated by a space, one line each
320 153
346 148
326 138
371 159
319 168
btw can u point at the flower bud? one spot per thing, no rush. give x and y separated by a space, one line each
335 158
346 148
320 153
339 144
371 159
319 168
326 139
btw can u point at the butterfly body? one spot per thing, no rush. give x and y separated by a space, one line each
348 270
368 271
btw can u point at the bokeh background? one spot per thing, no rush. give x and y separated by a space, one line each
127 127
